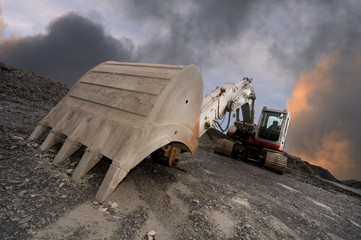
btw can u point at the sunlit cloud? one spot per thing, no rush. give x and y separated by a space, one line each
325 114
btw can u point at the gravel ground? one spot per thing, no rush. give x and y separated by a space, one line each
207 197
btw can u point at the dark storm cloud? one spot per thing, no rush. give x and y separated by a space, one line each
324 25
185 32
195 29
298 33
71 46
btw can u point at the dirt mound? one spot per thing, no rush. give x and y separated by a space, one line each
297 166
323 173
352 183
25 85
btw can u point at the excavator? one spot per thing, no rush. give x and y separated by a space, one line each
128 111
262 143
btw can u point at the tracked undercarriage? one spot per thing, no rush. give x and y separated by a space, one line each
270 159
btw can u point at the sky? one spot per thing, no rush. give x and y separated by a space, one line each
302 55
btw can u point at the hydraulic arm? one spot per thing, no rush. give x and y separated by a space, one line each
225 99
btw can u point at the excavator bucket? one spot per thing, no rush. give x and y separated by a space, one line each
125 111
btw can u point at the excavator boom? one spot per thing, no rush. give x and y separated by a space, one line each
227 99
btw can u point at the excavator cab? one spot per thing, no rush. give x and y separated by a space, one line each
272 128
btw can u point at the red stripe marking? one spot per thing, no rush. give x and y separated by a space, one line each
230 134
269 145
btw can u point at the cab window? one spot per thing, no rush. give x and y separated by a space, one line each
271 125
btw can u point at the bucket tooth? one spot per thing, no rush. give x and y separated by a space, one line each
113 177
89 159
50 140
69 147
39 131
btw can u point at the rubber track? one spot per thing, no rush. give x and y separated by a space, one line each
276 161
224 147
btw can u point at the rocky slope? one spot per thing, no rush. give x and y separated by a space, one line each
208 197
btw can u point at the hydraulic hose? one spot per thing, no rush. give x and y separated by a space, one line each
219 125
